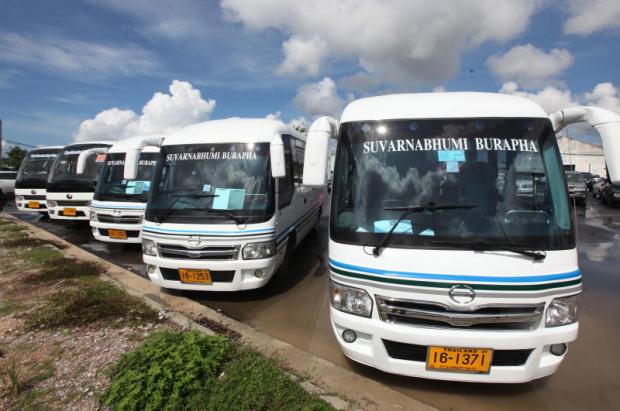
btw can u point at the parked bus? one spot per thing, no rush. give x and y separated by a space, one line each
440 265
68 193
226 206
118 206
31 182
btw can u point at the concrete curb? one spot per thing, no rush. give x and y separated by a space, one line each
331 382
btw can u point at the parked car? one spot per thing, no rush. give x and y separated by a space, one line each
576 187
598 186
610 194
7 182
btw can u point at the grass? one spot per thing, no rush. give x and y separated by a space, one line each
8 307
91 301
41 254
66 268
192 371
25 241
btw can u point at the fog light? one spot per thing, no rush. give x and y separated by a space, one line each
151 269
259 273
558 349
349 336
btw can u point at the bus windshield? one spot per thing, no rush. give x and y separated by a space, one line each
112 185
63 175
213 184
497 182
35 168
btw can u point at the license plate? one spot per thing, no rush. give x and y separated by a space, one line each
117 234
468 360
69 211
195 276
33 204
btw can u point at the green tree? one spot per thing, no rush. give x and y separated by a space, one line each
14 157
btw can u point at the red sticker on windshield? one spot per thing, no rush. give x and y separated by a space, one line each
100 158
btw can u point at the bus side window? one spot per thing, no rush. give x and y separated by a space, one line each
286 188
298 161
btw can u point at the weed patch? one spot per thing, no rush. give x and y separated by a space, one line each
25 241
11 228
92 301
8 307
41 254
191 371
66 268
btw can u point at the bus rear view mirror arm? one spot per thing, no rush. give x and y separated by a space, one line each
132 157
317 151
276 155
606 122
84 155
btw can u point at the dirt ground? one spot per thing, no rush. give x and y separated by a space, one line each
52 367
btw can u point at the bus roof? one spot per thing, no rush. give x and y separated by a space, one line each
441 105
123 145
86 143
46 148
231 130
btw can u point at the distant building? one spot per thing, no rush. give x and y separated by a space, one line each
580 156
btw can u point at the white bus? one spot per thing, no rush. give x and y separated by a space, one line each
226 206
118 206
68 193
31 182
440 266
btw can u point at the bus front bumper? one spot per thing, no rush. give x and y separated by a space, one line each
376 337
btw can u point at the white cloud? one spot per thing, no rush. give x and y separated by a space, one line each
587 17
320 98
302 55
530 66
604 95
175 20
401 42
550 98
75 56
163 113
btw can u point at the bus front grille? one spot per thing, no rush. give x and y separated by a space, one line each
437 315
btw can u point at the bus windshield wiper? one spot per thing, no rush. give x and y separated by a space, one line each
229 215
407 210
488 246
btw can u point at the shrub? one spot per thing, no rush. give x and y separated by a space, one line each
165 370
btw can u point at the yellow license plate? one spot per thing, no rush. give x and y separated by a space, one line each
117 234
470 360
33 204
195 276
69 211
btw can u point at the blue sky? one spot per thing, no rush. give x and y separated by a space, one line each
64 62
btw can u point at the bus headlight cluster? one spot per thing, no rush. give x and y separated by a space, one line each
149 247
255 251
562 311
350 299
52 203
93 216
19 198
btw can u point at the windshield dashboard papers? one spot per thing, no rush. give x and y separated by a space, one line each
228 199
137 187
384 226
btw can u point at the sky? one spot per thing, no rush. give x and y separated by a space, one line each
77 70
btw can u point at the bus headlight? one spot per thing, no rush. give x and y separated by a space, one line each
93 215
350 299
52 203
562 311
149 247
255 251
19 198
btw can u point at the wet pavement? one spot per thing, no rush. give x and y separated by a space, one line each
294 308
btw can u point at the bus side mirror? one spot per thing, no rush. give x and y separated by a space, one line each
317 150
610 136
132 159
84 155
276 154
